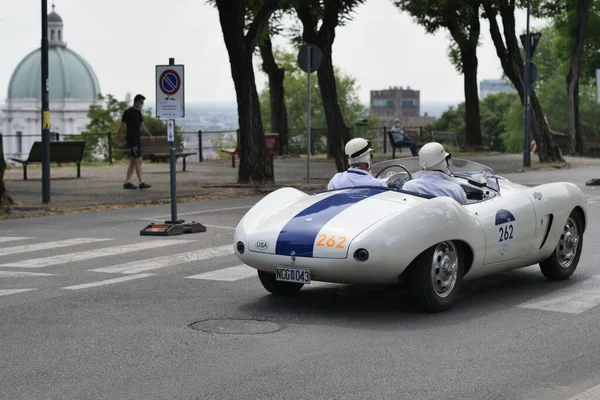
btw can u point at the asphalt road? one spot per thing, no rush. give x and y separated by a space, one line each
90 309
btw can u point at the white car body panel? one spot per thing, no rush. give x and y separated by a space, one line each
324 230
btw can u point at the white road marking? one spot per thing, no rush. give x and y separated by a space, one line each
48 245
106 282
6 292
135 267
198 212
19 274
86 255
590 394
4 239
576 299
220 227
227 274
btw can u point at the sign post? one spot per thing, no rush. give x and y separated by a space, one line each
529 41
45 108
170 104
310 58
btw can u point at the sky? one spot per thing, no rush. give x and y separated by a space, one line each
123 40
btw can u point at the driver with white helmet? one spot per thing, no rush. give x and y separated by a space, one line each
436 178
359 155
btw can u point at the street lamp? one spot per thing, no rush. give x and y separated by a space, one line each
45 108
527 127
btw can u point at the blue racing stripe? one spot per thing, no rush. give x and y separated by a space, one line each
300 232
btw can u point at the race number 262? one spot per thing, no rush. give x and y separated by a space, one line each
506 233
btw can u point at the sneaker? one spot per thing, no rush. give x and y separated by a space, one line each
145 186
129 185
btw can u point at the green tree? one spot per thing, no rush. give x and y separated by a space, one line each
295 98
241 37
330 14
572 20
276 74
106 117
511 60
461 19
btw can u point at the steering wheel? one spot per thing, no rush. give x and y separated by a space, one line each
395 165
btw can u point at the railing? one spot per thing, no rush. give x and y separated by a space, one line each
207 143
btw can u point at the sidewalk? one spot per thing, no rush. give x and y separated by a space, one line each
102 185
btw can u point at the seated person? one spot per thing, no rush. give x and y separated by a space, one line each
401 139
436 178
359 155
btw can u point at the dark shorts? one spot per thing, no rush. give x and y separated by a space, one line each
135 148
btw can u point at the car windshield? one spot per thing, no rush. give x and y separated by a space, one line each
460 168
456 165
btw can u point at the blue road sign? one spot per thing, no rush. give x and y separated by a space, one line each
170 82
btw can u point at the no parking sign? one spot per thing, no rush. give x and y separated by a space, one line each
170 98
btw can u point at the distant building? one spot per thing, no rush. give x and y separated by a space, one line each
397 102
493 86
73 87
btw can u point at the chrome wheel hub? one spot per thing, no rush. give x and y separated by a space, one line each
567 243
444 269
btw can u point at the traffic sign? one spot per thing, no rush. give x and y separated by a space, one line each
316 58
534 37
170 93
171 130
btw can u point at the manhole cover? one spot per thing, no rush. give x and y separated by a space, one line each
235 326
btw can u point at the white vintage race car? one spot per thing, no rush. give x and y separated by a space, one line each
370 235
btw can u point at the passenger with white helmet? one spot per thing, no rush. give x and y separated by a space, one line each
359 155
436 178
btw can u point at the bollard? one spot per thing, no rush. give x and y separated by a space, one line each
110 157
200 157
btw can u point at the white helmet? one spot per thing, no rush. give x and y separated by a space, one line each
358 151
433 156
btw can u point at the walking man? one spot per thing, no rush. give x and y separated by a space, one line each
134 122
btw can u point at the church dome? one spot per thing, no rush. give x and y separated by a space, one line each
70 76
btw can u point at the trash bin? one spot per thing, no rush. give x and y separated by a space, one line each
361 128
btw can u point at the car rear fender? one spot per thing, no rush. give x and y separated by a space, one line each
400 238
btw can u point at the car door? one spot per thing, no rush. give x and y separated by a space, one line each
508 223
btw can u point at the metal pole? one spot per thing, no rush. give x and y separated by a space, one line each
527 127
45 108
171 140
309 69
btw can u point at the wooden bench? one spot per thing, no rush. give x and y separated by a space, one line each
272 141
399 146
60 152
159 150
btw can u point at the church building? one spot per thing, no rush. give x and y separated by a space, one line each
73 87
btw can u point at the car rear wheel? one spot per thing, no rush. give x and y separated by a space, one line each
277 287
564 259
436 277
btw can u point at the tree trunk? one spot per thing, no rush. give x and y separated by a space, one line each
279 121
513 66
472 118
576 142
255 165
5 199
338 133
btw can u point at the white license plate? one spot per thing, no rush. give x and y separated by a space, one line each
296 275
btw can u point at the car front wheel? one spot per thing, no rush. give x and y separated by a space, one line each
436 277
278 287
564 259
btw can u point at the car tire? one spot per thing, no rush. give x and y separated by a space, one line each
564 259
436 277
277 287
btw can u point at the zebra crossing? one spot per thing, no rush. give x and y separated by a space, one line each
34 255
573 299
